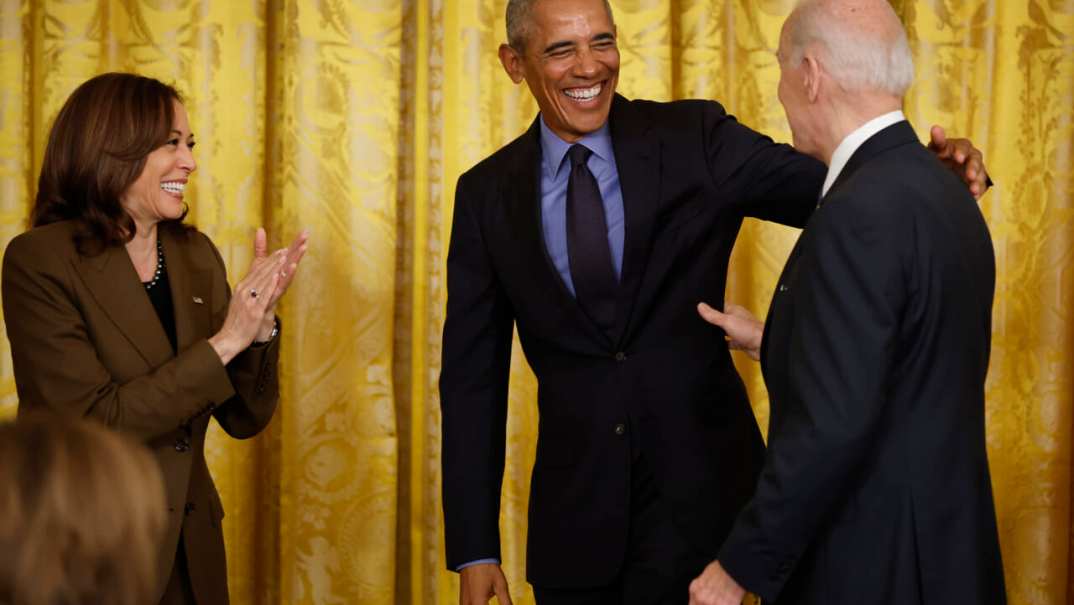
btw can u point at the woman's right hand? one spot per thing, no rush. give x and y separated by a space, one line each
249 303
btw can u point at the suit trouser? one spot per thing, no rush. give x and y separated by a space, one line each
659 564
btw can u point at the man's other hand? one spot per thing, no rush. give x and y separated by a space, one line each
962 158
743 330
715 587
479 583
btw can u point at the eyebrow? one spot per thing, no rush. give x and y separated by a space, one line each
181 134
553 47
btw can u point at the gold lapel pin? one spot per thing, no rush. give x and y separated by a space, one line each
198 300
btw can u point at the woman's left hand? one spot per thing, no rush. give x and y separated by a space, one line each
295 252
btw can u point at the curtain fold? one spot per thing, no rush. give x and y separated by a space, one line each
355 118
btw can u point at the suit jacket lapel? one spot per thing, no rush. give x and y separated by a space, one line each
190 285
114 284
522 187
637 158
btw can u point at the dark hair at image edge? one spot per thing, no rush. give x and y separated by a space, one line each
96 149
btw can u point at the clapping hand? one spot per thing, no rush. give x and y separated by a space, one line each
292 255
251 314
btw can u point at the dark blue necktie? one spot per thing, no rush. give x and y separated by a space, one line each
590 258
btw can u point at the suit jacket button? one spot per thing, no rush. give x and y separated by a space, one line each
182 444
620 429
620 356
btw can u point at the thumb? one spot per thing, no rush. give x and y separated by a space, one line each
938 138
260 243
711 315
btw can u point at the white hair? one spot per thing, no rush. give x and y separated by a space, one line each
856 60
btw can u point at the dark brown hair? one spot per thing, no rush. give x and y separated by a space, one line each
97 148
82 514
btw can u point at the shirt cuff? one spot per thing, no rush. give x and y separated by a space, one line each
476 562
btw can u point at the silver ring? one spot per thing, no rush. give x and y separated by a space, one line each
253 293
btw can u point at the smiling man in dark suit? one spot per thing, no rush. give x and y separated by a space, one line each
875 487
595 233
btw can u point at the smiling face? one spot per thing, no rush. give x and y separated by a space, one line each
570 63
157 194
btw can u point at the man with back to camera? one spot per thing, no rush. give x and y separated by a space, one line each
595 233
875 487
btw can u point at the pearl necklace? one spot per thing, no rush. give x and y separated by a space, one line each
160 267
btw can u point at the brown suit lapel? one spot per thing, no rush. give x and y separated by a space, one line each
114 284
112 281
191 285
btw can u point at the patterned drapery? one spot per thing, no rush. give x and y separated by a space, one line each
355 118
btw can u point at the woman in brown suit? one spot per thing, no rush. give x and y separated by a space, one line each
117 310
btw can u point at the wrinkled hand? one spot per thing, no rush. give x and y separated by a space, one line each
293 254
962 158
248 306
479 583
715 587
743 331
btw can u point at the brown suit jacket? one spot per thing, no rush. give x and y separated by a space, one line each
85 340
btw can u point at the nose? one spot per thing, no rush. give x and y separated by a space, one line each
186 159
587 64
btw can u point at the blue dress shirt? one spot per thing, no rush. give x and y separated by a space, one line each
555 172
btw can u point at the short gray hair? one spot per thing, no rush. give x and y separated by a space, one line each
856 61
518 20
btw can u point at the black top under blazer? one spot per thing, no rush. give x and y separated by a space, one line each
689 173
876 486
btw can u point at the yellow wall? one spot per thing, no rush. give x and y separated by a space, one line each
355 118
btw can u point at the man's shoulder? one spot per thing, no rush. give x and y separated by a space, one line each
671 114
501 161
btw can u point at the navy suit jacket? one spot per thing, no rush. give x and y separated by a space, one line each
876 487
662 384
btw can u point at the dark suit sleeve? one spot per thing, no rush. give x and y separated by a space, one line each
768 180
56 364
473 389
846 305
252 372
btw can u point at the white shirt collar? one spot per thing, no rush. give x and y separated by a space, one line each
854 140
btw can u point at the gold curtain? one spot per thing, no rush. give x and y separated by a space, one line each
355 118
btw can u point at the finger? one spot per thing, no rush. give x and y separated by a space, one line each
260 243
297 243
265 286
502 594
264 265
938 138
293 258
711 315
737 311
287 275
975 167
260 279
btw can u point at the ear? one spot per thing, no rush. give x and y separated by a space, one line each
811 77
512 63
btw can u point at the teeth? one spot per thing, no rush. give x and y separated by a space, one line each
583 94
173 187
